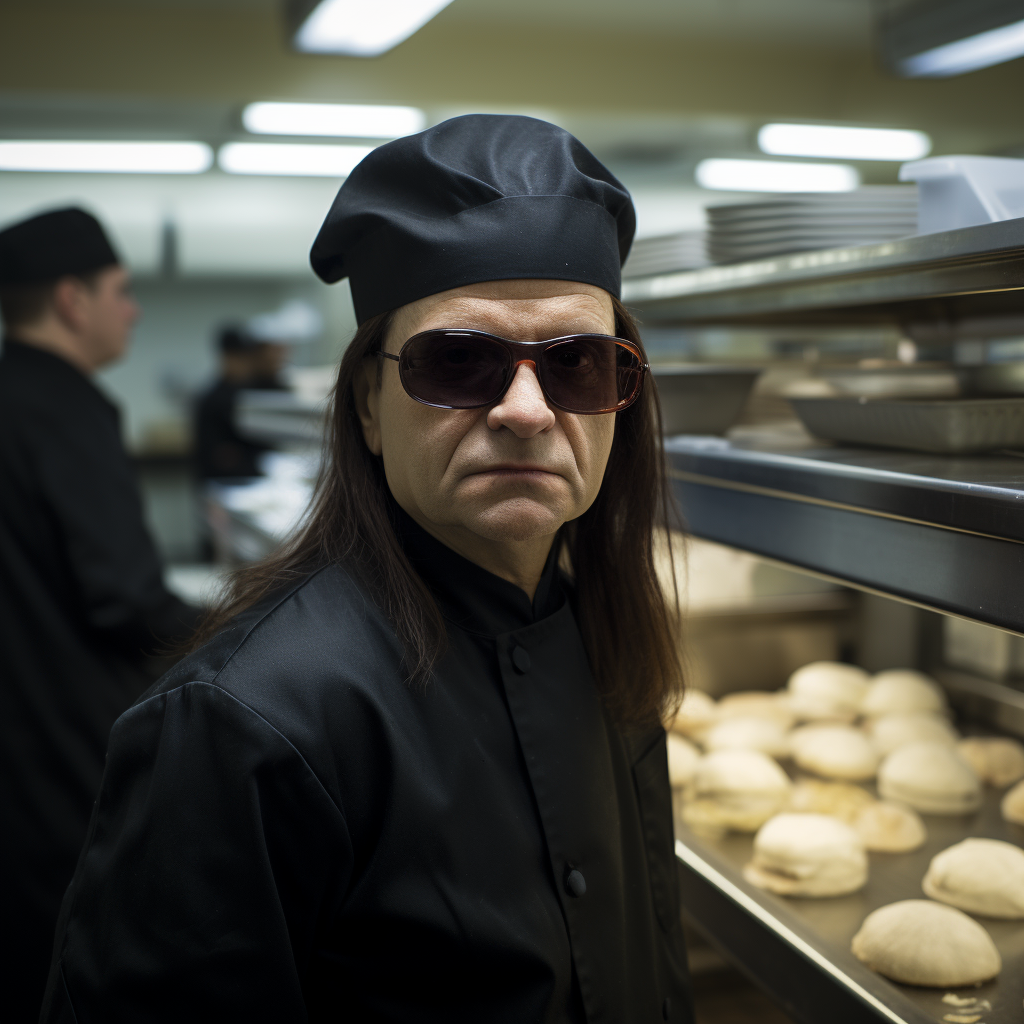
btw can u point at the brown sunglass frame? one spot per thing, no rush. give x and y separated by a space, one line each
516 349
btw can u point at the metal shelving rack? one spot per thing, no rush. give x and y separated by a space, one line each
946 534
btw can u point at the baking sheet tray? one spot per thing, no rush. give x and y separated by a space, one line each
951 427
830 924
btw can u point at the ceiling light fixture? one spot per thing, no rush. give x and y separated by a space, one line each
775 176
290 158
346 120
837 142
105 157
358 28
939 38
995 46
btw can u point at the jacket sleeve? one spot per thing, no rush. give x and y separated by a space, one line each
90 489
213 853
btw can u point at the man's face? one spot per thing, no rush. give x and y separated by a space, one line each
106 314
510 472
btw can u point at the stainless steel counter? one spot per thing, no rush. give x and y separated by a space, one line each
799 949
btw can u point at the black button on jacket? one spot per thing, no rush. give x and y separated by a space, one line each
288 831
82 601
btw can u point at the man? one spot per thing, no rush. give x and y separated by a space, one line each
82 604
220 451
418 773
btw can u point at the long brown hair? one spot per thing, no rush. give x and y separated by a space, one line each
627 627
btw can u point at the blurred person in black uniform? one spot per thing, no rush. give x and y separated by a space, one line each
417 772
220 451
83 607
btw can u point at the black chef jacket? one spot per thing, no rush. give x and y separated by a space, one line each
289 831
221 452
81 601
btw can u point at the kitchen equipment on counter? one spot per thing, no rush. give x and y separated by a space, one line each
682 250
961 191
697 398
918 380
799 222
952 427
996 379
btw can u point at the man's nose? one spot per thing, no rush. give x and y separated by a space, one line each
523 408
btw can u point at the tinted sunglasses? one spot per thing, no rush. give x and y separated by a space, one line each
580 373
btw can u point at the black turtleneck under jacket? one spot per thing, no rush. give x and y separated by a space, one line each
289 831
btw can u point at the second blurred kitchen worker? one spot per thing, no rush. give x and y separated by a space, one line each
221 451
83 607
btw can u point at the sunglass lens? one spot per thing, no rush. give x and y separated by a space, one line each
454 371
590 374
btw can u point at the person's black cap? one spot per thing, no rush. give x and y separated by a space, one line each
234 339
485 197
53 245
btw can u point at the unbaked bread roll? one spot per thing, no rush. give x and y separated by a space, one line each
886 827
890 732
901 691
827 690
748 734
682 760
982 876
834 751
757 704
695 714
840 800
1012 804
996 760
807 855
931 778
918 942
738 789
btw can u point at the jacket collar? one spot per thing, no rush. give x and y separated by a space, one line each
470 597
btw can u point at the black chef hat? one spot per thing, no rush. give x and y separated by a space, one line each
53 245
234 339
485 197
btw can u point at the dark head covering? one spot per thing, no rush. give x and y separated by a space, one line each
234 339
53 245
485 197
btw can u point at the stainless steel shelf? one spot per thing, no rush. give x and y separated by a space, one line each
943 533
969 273
798 950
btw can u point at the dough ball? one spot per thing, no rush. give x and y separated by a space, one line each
982 876
807 855
757 704
682 760
827 690
834 751
738 789
1013 805
931 778
917 942
890 828
695 714
890 732
838 799
902 691
996 760
748 734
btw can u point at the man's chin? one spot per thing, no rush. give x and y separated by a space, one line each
515 520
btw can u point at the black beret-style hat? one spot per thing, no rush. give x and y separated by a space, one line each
484 197
53 245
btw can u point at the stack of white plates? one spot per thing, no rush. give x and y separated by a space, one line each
684 250
798 222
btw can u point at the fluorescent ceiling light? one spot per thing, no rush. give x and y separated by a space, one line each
339 119
775 176
978 51
363 28
292 158
106 157
824 140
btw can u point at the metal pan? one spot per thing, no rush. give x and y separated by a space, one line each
701 399
954 427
